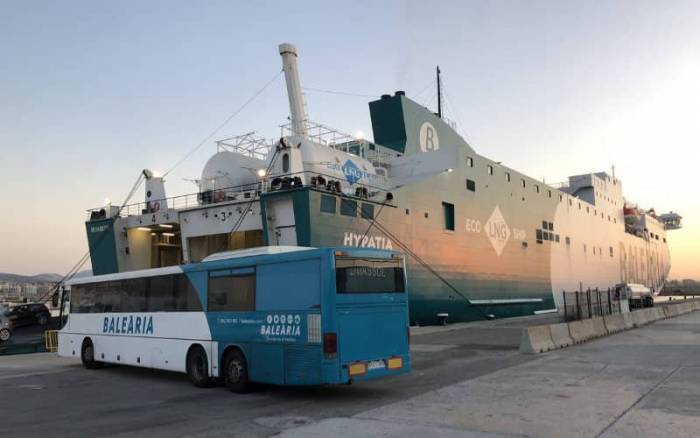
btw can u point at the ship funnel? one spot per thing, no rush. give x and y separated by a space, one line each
296 100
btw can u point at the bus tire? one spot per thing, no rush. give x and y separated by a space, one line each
198 367
235 371
87 355
5 334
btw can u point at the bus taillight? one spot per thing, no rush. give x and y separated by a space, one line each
330 344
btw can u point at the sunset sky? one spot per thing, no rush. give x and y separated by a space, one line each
93 92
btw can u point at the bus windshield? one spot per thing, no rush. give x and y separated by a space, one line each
368 275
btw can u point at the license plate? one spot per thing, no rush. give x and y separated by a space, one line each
375 365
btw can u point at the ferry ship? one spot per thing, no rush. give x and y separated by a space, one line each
482 238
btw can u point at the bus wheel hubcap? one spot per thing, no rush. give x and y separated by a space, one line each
4 335
235 370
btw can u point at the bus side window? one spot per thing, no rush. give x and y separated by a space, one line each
232 293
289 286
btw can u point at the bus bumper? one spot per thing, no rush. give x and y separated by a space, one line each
375 368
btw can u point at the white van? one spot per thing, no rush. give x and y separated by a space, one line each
637 294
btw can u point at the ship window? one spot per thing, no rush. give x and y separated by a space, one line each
408 211
348 208
579 205
470 162
426 214
471 185
367 211
664 240
657 237
285 163
544 225
507 176
611 251
537 188
489 169
567 239
538 234
448 211
522 182
549 193
571 202
539 241
551 226
328 204
524 244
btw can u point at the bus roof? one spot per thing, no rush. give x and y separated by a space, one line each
153 272
262 250
168 270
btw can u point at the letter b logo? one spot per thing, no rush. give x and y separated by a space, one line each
428 137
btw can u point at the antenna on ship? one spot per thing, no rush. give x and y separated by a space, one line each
296 99
439 93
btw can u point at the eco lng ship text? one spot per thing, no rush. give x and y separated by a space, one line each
482 238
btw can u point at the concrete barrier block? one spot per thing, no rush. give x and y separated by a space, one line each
536 339
650 315
582 330
560 335
599 328
627 317
668 311
686 308
639 318
615 323
659 313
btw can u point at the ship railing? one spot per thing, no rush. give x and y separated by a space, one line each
183 202
249 144
339 140
245 192
323 181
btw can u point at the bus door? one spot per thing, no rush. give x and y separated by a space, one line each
371 309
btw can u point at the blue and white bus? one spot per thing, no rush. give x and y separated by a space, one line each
278 315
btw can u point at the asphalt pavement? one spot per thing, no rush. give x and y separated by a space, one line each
467 380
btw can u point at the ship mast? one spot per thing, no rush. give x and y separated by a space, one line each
439 93
296 99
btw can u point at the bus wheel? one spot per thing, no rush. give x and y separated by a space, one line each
198 367
236 372
87 355
5 334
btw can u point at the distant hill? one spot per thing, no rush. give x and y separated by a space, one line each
39 278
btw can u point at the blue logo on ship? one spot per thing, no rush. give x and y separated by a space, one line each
352 172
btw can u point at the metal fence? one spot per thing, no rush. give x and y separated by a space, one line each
589 303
